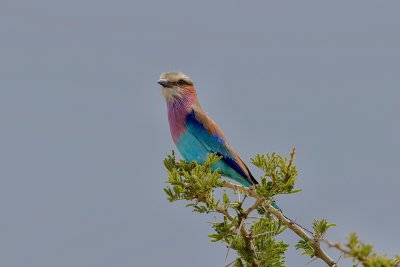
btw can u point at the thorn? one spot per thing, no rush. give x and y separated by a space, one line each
313 259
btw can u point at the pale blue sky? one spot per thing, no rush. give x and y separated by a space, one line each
84 127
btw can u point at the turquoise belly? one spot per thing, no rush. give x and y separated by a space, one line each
191 149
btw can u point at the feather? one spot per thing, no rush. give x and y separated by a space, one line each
207 132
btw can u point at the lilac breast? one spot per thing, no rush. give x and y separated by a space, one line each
177 112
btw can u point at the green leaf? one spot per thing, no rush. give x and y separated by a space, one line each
307 247
320 227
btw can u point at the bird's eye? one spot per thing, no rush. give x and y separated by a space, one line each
181 82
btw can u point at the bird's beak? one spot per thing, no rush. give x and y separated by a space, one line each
165 83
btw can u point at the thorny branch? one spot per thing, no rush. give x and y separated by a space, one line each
298 230
253 236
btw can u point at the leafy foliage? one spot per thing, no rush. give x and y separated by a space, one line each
307 247
320 227
253 229
365 255
281 172
193 182
254 238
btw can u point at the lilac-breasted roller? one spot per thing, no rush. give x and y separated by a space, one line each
195 133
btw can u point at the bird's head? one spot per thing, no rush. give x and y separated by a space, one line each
176 85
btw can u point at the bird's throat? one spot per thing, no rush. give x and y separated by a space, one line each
178 109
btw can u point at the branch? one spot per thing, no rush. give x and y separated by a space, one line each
319 252
243 231
365 259
255 206
337 246
255 241
261 202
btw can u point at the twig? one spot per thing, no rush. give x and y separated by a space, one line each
256 205
231 263
346 253
338 246
224 212
291 160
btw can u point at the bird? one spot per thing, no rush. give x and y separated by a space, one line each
195 133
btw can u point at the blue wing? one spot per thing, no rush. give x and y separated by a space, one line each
209 135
